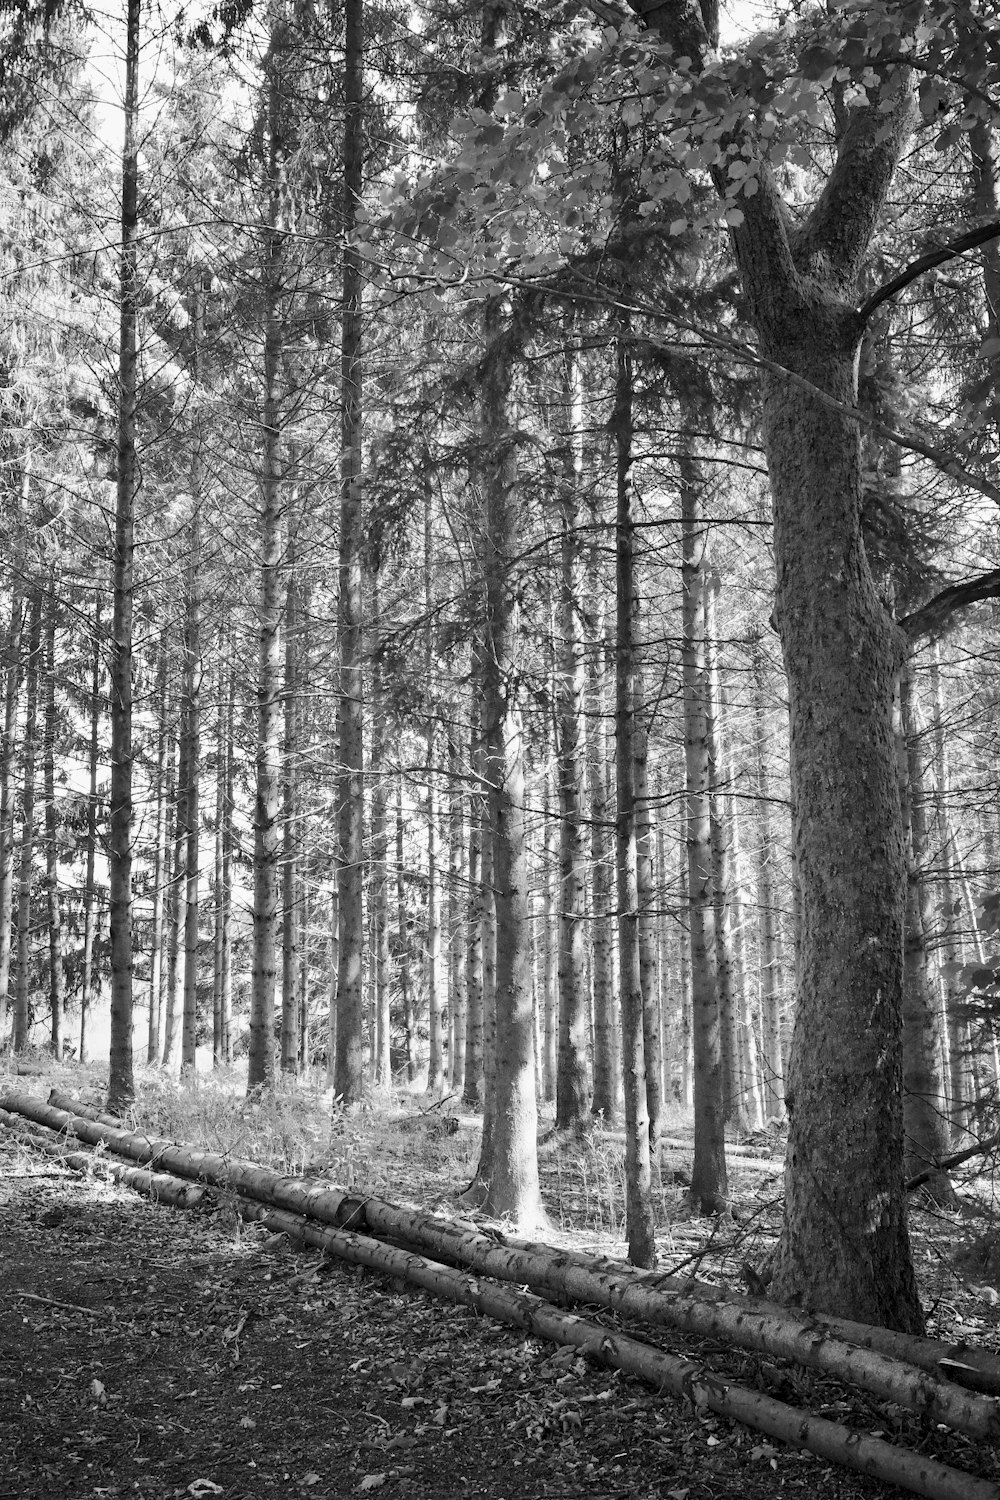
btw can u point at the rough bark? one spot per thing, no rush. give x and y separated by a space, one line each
160 846
473 1089
192 791
607 1062
289 1055
457 944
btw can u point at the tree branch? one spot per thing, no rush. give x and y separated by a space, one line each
923 263
937 614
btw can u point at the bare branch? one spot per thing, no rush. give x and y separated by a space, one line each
924 263
938 614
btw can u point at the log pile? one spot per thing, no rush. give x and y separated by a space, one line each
948 1384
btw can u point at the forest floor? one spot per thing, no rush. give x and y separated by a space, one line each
148 1353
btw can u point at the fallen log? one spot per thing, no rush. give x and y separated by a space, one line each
685 1379
160 1186
923 1384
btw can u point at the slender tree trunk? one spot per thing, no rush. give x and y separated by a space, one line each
380 869
22 993
405 986
732 1105
709 1188
192 789
924 1101
121 1084
267 802
349 1083
160 846
473 1089
57 973
639 1212
607 1061
573 1073
961 1091
550 949
176 778
12 680
686 1002
91 900
289 832
435 1069
770 957
647 928
458 947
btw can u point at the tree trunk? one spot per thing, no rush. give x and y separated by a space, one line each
382 1035
709 1188
607 1059
22 993
91 898
573 1071
350 1073
267 801
473 1090
924 1101
12 679
550 947
405 987
457 988
646 890
160 847
176 775
844 1240
57 974
289 1059
192 790
435 1066
507 1176
640 1228
770 957
732 1103
121 1084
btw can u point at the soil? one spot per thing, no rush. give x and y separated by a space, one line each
148 1353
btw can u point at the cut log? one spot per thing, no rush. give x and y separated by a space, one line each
926 1375
685 1379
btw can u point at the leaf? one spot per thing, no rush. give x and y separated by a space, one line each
203 1487
372 1481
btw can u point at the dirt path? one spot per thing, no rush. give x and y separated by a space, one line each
148 1353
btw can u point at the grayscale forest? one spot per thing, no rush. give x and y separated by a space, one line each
499 667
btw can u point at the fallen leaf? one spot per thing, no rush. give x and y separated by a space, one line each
372 1481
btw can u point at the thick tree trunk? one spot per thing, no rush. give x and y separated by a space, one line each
640 1227
349 1079
846 1246
121 1084
22 992
844 1241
